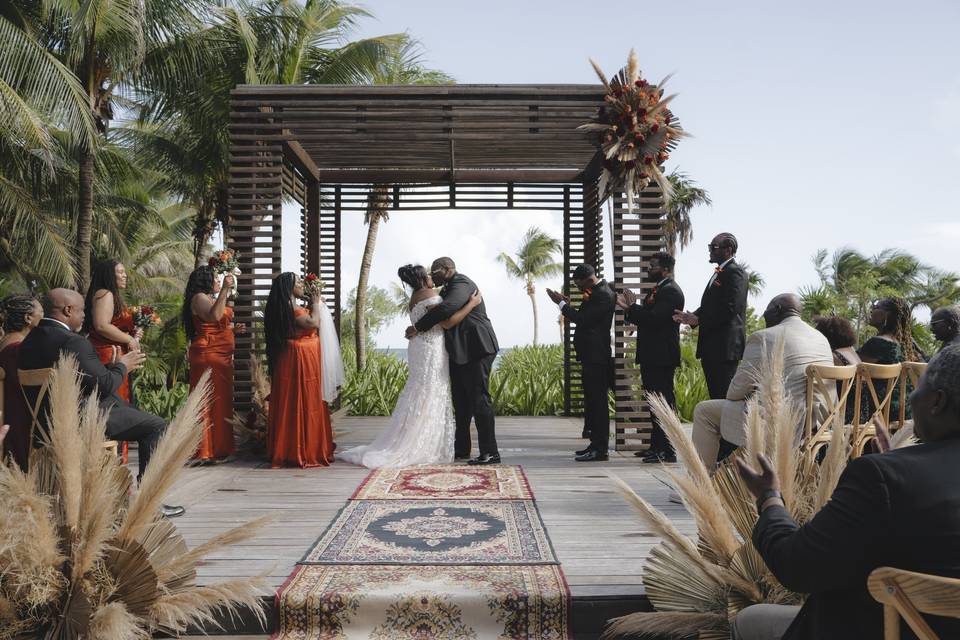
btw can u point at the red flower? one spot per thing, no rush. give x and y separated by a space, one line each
212 261
655 127
639 83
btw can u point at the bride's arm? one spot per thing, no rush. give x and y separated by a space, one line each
463 312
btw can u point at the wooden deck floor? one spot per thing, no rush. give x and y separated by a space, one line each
598 539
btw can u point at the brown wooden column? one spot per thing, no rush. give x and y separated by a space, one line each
327 252
574 253
255 205
311 228
636 236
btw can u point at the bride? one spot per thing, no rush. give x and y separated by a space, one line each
421 429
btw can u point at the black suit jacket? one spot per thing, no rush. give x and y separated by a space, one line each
899 509
658 336
591 338
42 349
722 315
473 338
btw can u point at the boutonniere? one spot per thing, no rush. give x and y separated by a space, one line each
652 296
586 294
716 280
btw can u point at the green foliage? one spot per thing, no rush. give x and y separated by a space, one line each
162 401
689 384
528 381
373 390
381 308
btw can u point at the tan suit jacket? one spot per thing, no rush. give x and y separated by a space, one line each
802 346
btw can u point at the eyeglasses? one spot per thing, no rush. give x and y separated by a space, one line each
713 246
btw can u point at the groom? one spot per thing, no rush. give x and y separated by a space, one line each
472 347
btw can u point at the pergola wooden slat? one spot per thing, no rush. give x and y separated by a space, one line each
447 147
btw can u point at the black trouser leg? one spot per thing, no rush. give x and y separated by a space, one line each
659 380
718 374
477 386
596 417
132 425
462 410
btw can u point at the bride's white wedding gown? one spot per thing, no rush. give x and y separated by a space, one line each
421 429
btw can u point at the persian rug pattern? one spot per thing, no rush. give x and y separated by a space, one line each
439 552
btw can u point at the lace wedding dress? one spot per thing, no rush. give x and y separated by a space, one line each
421 429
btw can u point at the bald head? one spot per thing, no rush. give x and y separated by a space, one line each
936 400
65 305
783 306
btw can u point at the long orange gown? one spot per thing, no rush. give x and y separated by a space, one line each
298 420
212 348
104 346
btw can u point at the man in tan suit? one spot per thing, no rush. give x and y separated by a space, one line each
802 346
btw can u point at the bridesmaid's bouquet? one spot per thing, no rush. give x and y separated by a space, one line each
145 317
226 261
312 286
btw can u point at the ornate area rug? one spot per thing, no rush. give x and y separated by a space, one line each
435 532
446 552
424 603
455 482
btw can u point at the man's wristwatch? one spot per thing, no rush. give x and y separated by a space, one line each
769 493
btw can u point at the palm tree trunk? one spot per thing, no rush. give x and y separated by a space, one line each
531 291
365 263
84 218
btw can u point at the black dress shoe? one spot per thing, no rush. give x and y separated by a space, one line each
169 511
461 456
592 456
585 435
486 458
656 458
582 451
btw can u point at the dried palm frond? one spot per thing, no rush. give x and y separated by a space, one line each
658 625
250 430
75 562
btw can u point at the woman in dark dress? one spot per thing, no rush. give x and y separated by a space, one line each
20 314
891 317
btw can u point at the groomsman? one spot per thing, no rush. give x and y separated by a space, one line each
658 342
591 339
721 317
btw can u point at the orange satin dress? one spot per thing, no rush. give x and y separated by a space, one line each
298 420
104 346
212 348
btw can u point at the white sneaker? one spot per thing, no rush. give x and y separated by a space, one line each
674 497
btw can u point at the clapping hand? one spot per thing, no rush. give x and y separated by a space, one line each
557 297
759 483
685 317
239 328
626 299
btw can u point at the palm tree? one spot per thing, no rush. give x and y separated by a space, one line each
403 64
755 280
534 261
677 227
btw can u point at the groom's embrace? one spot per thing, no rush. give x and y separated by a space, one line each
472 347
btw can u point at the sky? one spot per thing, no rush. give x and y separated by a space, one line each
816 125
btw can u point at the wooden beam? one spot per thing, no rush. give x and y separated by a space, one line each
296 154
520 175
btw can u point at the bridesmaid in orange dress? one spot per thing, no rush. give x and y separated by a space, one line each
108 323
298 420
21 313
208 323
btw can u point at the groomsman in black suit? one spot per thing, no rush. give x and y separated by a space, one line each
591 339
721 317
472 347
658 342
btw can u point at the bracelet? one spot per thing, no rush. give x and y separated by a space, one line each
769 493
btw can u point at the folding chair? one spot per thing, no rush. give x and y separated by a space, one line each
868 374
905 594
822 381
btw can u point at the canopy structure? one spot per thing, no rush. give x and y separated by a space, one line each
338 150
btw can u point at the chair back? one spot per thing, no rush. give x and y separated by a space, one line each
822 381
908 380
39 378
868 375
908 595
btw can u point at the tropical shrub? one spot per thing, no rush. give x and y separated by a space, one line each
528 381
689 384
373 390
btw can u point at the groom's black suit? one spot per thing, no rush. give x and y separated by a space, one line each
472 347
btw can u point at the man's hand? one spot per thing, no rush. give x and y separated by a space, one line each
411 332
685 317
115 358
626 299
239 328
3 432
557 297
759 483
133 360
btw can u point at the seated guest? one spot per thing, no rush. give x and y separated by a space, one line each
20 314
56 335
945 325
900 509
892 319
802 346
842 338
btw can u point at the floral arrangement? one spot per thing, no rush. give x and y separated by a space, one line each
145 317
226 261
312 285
635 131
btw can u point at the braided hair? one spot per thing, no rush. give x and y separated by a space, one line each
200 281
14 311
278 317
899 324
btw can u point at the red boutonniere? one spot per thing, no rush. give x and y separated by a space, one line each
716 281
652 296
586 294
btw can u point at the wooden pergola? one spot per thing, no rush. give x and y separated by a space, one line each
443 147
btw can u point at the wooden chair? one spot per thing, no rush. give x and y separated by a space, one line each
822 381
905 594
868 375
41 378
909 380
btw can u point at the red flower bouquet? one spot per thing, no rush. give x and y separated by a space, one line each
145 317
312 286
